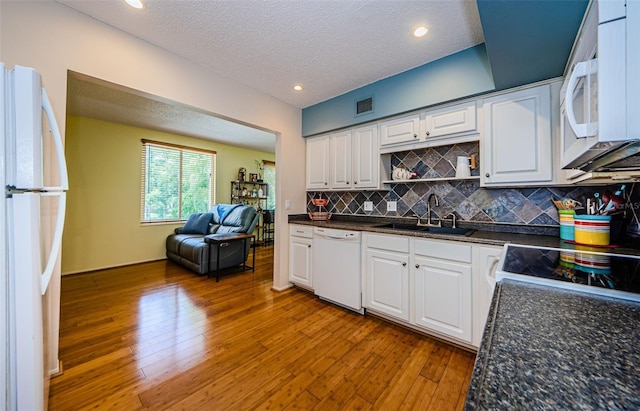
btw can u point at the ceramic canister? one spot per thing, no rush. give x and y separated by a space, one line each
567 224
592 229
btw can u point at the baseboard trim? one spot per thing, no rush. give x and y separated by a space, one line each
58 371
279 289
88 270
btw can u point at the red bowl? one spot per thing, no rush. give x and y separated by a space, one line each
320 202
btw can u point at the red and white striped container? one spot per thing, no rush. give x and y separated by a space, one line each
592 229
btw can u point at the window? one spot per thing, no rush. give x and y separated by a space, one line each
176 181
269 173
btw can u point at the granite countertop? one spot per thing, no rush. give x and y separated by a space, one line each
485 233
548 349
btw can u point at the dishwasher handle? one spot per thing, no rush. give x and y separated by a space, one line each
336 234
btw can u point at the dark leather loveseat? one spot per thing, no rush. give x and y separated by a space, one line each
188 247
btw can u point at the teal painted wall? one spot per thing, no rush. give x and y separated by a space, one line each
459 75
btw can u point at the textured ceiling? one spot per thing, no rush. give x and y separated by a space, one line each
330 47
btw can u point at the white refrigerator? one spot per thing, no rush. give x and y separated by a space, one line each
31 225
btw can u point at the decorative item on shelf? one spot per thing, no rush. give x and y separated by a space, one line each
244 191
241 173
260 192
259 166
254 193
463 167
401 173
253 177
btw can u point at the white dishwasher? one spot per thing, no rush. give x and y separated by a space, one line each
336 267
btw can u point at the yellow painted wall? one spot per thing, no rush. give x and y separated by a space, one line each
77 42
102 227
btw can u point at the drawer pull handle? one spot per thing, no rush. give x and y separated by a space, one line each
404 264
417 265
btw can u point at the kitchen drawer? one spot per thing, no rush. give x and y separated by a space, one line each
305 231
447 250
388 242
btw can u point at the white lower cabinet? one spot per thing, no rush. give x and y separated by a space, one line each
386 276
300 242
442 291
443 297
388 283
485 261
437 286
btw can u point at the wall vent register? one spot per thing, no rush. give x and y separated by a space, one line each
364 106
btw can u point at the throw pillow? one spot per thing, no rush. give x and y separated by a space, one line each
198 223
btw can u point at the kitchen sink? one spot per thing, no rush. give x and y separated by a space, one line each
429 229
398 226
452 231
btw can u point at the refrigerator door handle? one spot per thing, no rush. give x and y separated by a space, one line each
45 278
57 141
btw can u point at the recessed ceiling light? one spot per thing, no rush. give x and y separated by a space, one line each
136 4
298 87
420 31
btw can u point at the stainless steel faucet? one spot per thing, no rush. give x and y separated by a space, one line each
436 204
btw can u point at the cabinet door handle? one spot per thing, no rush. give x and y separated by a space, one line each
309 245
428 133
404 264
355 182
415 136
417 265
325 183
487 175
347 182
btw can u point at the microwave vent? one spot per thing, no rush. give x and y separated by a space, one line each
364 106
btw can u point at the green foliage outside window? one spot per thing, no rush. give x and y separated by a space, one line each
176 182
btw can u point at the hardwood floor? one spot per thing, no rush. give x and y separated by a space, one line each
156 336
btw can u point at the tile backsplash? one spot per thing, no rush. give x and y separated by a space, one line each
464 197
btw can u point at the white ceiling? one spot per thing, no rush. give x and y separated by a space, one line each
329 46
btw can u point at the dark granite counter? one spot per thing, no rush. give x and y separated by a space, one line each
549 349
485 233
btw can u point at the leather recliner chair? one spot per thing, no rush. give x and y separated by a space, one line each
187 246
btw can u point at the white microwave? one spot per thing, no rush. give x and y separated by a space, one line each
599 103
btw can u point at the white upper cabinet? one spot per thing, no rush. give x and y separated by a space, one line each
400 130
345 160
446 121
516 142
340 160
365 157
442 126
318 163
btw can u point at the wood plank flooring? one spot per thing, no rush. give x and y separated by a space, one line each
155 336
